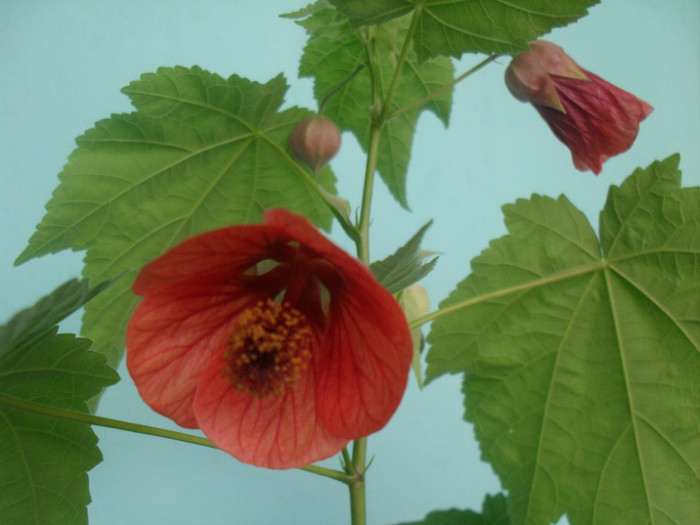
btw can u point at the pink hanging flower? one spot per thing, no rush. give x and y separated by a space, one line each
274 342
595 119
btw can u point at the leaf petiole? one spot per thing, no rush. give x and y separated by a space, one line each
561 276
91 419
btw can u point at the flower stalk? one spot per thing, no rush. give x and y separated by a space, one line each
444 88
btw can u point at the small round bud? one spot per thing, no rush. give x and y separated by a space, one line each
315 141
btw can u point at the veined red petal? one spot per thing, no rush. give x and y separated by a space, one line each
600 119
170 337
281 432
212 257
362 369
594 118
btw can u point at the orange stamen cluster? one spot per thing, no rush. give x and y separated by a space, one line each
269 347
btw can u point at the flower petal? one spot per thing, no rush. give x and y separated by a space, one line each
213 257
600 119
193 293
362 369
171 335
282 432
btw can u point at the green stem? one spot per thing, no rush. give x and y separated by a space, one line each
358 507
380 109
328 473
91 419
347 462
399 64
444 88
561 276
362 242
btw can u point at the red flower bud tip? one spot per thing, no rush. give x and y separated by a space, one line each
315 141
594 118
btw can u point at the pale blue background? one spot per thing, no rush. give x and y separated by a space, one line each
61 67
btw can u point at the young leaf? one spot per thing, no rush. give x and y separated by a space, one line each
581 369
200 153
44 461
494 512
336 57
404 267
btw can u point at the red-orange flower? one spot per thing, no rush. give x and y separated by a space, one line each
274 342
595 119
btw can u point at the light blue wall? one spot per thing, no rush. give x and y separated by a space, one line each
61 67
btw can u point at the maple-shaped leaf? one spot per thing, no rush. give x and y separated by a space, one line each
44 460
454 27
336 57
581 358
201 152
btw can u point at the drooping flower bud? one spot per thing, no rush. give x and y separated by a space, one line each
315 141
594 118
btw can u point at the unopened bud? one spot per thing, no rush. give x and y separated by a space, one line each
315 141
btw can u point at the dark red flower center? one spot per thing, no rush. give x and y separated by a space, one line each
269 347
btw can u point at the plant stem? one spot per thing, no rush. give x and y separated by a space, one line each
399 64
358 507
444 88
347 462
91 419
362 242
561 276
380 110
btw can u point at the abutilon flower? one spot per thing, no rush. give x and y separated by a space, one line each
273 341
594 118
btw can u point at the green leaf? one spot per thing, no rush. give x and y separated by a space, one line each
404 267
332 56
454 27
494 512
581 369
44 461
373 11
106 317
306 11
200 153
47 312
